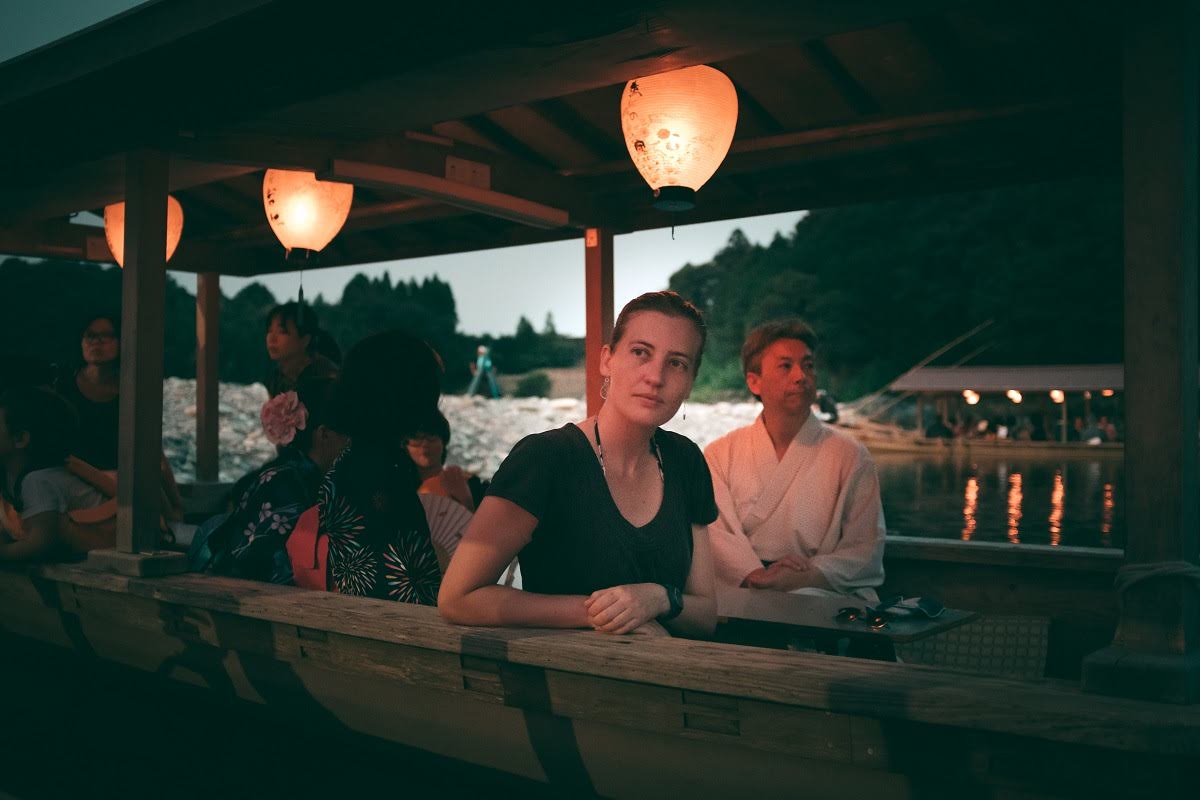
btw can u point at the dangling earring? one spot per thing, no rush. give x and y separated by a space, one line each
604 388
685 410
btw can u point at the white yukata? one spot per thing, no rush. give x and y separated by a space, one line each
821 502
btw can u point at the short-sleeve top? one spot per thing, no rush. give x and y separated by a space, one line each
98 437
56 489
582 543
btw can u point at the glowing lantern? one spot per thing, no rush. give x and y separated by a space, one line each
1014 395
971 397
1107 392
1057 395
678 127
114 228
305 213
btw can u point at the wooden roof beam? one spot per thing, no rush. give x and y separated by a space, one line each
371 217
427 166
95 185
851 91
64 240
56 239
747 155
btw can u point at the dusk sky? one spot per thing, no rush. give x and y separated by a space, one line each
492 288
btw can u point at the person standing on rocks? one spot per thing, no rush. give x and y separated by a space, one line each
483 368
299 347
608 515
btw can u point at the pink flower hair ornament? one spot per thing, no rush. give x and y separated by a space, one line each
282 416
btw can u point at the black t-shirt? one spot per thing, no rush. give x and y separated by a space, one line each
98 422
581 542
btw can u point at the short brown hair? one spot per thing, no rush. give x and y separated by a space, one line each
765 335
669 303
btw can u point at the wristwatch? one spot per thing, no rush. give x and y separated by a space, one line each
675 598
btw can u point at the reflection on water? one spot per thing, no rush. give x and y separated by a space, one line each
1106 524
1014 507
1069 502
970 502
1056 508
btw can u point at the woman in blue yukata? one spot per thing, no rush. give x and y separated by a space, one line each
250 542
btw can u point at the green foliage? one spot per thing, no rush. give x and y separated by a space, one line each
528 350
56 299
886 284
535 384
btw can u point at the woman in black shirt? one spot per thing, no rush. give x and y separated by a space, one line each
608 515
92 391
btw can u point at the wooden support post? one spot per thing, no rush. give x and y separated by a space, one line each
139 455
920 414
598 258
1156 651
208 309
1064 419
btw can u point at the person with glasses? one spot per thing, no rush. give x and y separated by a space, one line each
799 500
427 448
92 390
608 516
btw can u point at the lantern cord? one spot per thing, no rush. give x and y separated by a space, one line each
300 302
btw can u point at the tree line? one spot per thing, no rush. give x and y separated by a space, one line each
886 284
883 284
51 301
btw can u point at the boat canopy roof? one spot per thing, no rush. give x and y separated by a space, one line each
1066 377
520 104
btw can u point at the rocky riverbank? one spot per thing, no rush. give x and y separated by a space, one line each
483 431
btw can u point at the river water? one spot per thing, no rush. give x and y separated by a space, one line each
1073 502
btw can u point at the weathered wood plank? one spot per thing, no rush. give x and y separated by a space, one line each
845 686
143 289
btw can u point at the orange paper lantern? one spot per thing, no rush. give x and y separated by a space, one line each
305 213
678 127
114 228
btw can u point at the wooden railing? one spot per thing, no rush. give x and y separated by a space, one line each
495 696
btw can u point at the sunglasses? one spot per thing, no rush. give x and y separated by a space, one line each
876 617
873 619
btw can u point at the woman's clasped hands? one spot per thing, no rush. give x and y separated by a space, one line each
631 608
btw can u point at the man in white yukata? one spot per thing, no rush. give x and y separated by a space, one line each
798 500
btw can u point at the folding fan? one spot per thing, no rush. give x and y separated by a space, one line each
447 520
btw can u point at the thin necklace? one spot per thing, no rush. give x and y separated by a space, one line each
600 450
